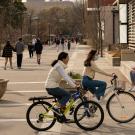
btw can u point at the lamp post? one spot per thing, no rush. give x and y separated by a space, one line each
49 28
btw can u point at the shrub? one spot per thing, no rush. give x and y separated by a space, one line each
74 75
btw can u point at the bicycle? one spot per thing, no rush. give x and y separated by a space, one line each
41 115
118 104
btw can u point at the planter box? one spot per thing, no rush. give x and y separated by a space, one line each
116 61
3 87
67 87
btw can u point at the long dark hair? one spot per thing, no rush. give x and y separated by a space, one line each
8 43
61 56
90 56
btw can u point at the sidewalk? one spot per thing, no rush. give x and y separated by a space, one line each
29 82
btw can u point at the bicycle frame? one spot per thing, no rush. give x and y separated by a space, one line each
72 102
112 89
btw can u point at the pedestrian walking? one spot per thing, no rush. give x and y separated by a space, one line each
69 45
38 49
57 43
30 49
19 51
8 53
76 40
62 43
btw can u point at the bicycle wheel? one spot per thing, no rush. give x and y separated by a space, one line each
123 111
38 116
88 115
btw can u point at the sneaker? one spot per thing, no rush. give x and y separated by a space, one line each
133 89
95 99
102 100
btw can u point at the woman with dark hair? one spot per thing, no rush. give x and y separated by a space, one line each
96 87
38 48
55 75
8 53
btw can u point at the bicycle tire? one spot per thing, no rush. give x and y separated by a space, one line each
29 119
77 121
108 106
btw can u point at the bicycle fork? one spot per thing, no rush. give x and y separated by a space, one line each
118 100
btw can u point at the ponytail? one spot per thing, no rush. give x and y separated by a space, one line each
61 56
54 62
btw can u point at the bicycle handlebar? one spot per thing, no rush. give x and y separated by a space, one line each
114 78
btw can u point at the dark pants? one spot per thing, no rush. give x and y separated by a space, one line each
69 45
62 95
94 86
30 48
19 60
132 75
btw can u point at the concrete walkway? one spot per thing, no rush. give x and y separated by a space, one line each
29 81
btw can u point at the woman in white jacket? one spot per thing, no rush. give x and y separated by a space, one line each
55 75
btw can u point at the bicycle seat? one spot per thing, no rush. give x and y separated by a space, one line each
40 98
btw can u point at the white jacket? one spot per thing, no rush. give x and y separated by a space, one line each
56 74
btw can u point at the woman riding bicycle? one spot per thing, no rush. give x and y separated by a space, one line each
96 87
55 75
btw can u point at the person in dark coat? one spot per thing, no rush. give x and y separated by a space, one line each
57 44
69 45
38 49
8 53
19 51
62 43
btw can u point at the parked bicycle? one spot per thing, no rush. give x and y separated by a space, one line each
42 115
121 104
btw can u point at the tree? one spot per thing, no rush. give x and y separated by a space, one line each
94 24
62 21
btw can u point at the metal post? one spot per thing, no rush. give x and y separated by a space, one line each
38 27
49 34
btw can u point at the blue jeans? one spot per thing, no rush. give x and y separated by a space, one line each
94 86
132 75
62 95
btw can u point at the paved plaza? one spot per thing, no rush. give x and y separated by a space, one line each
29 82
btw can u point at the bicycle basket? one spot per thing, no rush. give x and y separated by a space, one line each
121 85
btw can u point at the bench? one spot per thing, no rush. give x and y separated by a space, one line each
126 67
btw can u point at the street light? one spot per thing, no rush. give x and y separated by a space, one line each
49 26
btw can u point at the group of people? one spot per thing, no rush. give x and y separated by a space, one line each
19 48
36 46
8 53
63 42
57 72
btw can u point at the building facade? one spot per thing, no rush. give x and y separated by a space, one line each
131 24
108 18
